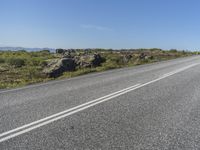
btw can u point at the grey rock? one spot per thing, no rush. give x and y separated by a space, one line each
55 68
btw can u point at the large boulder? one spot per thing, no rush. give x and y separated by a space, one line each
97 60
3 69
142 56
55 68
60 51
85 61
126 58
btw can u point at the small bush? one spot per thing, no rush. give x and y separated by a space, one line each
45 51
2 60
17 62
173 50
59 51
36 61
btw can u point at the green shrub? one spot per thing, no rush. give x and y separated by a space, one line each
36 61
173 50
23 51
59 51
2 60
45 51
17 62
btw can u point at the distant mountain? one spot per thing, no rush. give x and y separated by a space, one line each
27 49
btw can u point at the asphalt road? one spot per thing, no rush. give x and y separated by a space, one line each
154 106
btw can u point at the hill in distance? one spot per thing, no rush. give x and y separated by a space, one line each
24 48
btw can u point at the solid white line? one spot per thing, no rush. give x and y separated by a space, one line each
60 117
29 127
63 112
181 69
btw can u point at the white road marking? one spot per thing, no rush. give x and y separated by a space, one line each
179 70
66 111
34 125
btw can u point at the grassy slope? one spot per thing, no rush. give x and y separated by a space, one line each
22 68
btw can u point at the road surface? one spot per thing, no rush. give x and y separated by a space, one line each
154 106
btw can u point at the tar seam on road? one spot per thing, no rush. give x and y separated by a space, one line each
36 124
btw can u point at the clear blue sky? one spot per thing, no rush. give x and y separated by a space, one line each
100 23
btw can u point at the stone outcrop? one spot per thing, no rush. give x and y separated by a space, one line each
55 68
89 60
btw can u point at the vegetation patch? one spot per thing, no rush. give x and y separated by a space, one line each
19 68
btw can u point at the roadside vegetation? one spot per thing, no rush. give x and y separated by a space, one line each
19 68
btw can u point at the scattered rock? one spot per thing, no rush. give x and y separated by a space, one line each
149 57
97 60
127 58
89 60
2 69
142 56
